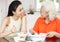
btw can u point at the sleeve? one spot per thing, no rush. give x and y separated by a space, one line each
58 26
36 26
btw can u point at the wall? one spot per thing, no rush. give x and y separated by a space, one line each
59 5
27 3
4 9
31 19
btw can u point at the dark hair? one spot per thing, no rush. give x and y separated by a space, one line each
13 6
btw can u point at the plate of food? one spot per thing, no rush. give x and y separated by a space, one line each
20 37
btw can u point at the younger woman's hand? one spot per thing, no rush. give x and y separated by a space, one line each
23 14
13 29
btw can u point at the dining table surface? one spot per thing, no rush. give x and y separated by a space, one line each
57 40
41 38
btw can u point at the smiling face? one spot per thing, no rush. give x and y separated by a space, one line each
44 14
19 11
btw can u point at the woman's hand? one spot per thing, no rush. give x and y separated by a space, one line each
3 34
23 14
51 34
13 29
32 32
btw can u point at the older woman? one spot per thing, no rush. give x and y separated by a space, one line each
48 22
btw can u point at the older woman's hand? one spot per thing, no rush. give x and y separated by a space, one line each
51 34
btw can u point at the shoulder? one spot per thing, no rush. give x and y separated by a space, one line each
58 20
6 20
40 19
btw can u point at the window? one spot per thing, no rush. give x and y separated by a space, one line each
39 3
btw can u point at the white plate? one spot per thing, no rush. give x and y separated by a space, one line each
20 36
40 37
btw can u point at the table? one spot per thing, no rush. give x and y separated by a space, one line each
58 40
29 39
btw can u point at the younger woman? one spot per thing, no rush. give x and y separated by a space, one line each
14 22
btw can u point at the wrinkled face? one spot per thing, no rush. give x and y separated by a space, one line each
44 14
19 11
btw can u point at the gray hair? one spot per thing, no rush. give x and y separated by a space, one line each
49 7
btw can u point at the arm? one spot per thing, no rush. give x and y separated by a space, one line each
32 31
57 35
51 34
4 25
58 28
24 28
5 34
57 32
35 29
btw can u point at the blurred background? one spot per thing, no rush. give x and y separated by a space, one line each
27 4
